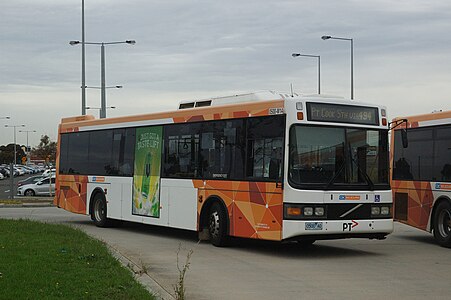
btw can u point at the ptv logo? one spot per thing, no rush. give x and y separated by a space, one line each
349 226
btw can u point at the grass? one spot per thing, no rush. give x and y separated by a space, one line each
10 202
48 261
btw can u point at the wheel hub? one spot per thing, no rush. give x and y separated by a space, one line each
214 224
444 223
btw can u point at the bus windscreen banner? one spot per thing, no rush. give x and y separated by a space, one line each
325 112
146 179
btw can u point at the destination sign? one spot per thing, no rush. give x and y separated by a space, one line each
326 112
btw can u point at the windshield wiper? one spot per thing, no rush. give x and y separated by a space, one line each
364 174
342 167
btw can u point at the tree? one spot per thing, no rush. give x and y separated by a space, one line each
45 150
7 153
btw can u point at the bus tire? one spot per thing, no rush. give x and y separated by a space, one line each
98 212
442 224
217 225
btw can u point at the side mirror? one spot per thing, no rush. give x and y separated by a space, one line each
405 141
39 183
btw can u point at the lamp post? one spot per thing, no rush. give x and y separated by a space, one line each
99 108
92 107
83 60
328 37
102 69
28 152
5 118
319 67
15 126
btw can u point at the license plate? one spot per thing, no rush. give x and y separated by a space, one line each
314 226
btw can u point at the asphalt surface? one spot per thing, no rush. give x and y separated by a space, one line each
407 265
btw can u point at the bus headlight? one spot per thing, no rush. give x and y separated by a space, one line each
381 210
308 211
385 210
375 210
319 211
304 212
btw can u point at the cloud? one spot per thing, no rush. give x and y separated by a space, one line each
196 49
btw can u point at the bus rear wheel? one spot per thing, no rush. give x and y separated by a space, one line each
217 225
98 213
442 224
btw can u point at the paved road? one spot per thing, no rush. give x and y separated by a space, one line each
407 265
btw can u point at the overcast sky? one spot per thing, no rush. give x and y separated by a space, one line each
206 48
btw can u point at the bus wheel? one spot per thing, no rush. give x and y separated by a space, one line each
98 214
218 225
442 224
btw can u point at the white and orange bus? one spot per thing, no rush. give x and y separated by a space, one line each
421 173
261 165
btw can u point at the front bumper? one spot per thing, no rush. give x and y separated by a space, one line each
331 229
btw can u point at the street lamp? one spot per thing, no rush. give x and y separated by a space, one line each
107 87
319 67
99 108
328 37
27 131
5 118
102 69
15 126
91 107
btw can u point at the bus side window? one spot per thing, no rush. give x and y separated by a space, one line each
181 151
265 147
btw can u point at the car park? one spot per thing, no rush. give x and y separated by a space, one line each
40 188
5 170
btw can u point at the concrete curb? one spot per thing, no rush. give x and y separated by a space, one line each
141 276
18 205
24 201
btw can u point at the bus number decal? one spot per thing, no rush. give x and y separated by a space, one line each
276 111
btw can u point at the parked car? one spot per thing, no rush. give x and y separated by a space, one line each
4 172
19 171
32 179
47 172
40 188
30 169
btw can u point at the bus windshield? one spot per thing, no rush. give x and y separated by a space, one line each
338 158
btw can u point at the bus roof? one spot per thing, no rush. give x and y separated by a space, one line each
234 99
429 119
260 103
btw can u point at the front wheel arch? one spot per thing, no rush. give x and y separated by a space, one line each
205 212
204 220
98 209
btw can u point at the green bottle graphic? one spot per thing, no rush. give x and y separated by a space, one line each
146 176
